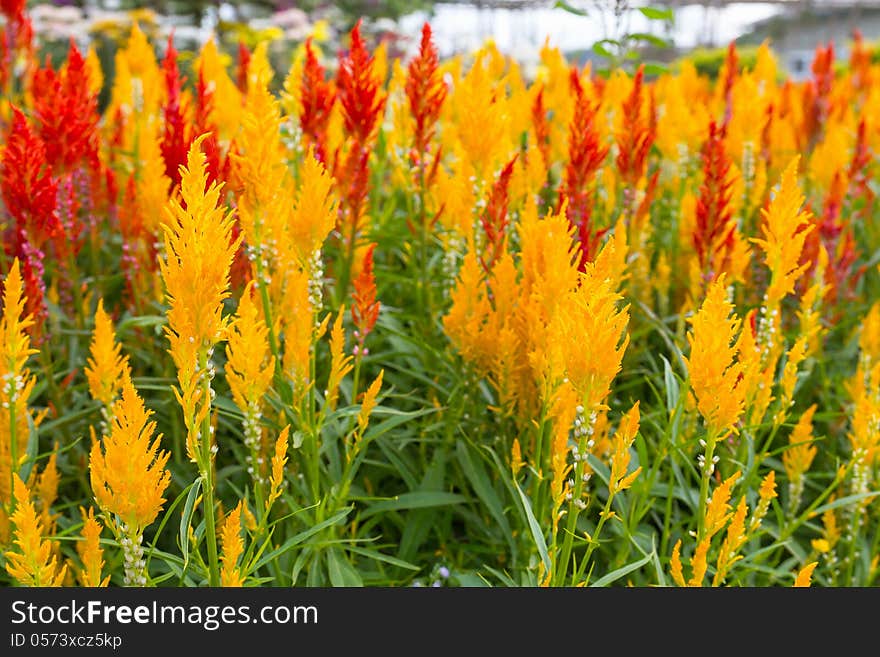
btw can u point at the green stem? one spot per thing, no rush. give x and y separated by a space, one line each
207 474
704 484
594 541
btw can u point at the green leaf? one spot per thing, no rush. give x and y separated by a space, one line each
141 321
601 50
30 449
476 474
653 68
397 417
843 501
656 14
415 500
623 571
381 556
342 573
186 515
303 536
564 6
653 39
535 528
671 385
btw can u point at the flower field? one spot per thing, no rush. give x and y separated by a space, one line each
384 322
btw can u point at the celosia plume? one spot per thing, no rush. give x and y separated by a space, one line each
426 92
176 134
365 306
359 89
714 371
317 97
585 156
127 467
31 562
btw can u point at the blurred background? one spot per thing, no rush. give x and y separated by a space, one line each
584 30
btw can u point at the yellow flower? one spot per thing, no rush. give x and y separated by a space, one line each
869 335
96 75
802 580
467 313
623 440
16 382
766 494
340 362
249 365
45 488
128 472
259 165
800 453
232 547
699 562
107 367
796 355
785 228
735 539
300 332
314 212
90 552
590 329
516 460
199 250
675 566
368 403
799 456
713 367
717 511
226 108
279 459
31 562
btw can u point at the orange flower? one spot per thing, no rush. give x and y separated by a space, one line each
713 367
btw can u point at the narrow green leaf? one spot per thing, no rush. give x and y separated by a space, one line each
186 515
564 6
476 474
657 14
537 534
381 556
303 536
653 39
415 500
653 68
623 571
342 573
601 50
671 385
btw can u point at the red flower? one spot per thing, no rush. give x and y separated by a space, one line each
175 136
817 94
28 188
359 90
67 113
494 219
731 70
202 124
585 156
541 126
426 92
244 59
317 97
365 309
860 62
715 225
636 137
